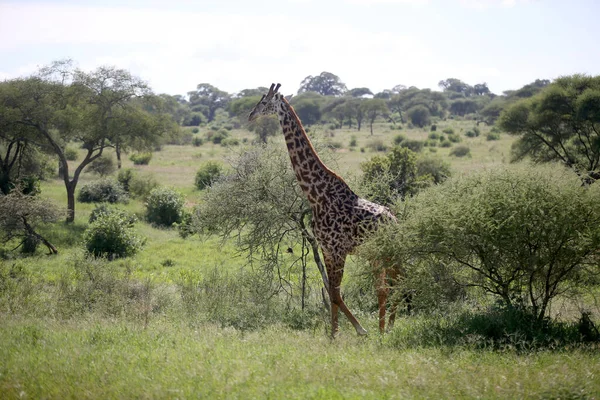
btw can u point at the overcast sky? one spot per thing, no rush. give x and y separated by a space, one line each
238 44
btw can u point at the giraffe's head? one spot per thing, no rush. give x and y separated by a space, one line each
267 104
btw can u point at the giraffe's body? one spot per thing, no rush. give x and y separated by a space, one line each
341 219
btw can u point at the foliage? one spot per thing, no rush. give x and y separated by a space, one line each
124 177
102 166
164 206
259 203
107 107
207 99
103 190
207 174
398 139
326 84
560 123
372 108
265 126
386 178
413 144
141 158
492 136
434 167
103 209
142 184
523 235
111 235
419 115
461 151
71 154
20 215
308 107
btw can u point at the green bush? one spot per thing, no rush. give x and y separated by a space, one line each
399 139
434 136
419 115
461 151
197 141
124 177
433 128
454 138
523 235
141 158
164 206
195 130
101 191
103 210
230 141
413 144
111 235
71 154
448 131
352 141
103 166
377 145
492 136
445 143
207 174
217 137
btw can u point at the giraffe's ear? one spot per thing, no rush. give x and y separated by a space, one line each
289 97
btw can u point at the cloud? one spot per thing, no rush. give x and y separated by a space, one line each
176 50
485 4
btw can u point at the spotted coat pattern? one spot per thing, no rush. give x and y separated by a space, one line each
341 219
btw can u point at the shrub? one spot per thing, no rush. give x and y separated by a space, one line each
124 177
71 154
195 130
454 138
445 143
433 128
197 141
475 132
217 137
377 145
207 174
352 141
334 144
419 115
164 206
448 131
492 136
434 136
111 235
399 139
461 151
141 158
103 166
524 235
414 145
103 190
102 210
434 167
230 142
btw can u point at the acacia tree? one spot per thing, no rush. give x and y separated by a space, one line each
260 204
208 99
372 109
62 104
524 235
19 215
560 123
325 83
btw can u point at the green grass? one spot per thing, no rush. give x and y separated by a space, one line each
102 359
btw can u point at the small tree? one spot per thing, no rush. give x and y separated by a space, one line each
372 109
111 235
19 215
419 116
523 235
207 174
102 166
164 206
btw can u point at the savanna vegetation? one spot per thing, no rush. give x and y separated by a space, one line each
177 257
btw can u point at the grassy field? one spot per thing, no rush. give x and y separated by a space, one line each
84 333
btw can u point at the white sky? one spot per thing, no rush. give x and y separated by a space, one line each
239 44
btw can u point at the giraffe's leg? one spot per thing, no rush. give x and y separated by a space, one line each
335 272
382 295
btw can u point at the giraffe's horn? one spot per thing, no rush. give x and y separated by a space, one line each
277 87
271 93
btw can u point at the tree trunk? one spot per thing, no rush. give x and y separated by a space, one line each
71 201
118 152
33 233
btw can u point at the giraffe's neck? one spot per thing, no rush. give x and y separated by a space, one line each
314 178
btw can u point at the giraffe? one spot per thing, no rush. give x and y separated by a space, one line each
341 219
